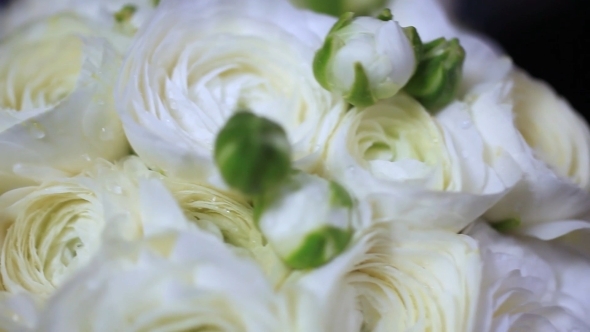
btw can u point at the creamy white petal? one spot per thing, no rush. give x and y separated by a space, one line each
528 283
197 62
103 12
552 198
18 312
171 282
59 115
416 169
418 281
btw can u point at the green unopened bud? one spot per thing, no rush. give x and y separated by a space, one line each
252 153
436 81
356 64
385 15
308 221
506 226
125 14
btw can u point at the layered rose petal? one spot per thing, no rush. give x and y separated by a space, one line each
551 145
530 285
105 12
418 281
198 62
56 105
414 168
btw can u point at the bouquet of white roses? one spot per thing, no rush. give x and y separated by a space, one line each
250 165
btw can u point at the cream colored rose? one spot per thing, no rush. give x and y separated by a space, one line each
551 145
418 281
198 62
56 105
530 285
179 281
230 218
123 16
414 168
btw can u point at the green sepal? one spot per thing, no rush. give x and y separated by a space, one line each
252 153
436 80
125 14
415 40
506 226
385 15
319 248
339 197
360 94
323 57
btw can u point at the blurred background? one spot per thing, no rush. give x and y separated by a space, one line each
548 38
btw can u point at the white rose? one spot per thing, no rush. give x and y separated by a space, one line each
59 115
49 231
230 218
18 312
414 168
171 282
418 281
197 62
530 285
484 64
365 59
119 15
550 143
178 281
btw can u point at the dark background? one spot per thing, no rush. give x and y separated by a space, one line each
548 38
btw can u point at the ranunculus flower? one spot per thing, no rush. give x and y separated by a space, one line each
530 285
49 231
181 281
550 143
56 105
197 62
418 281
365 59
124 16
484 64
416 169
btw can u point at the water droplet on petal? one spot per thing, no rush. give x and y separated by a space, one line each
36 130
214 199
466 124
86 157
106 134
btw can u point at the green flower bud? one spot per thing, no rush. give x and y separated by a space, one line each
308 221
365 59
252 153
438 76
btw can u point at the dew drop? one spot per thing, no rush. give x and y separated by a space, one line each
466 124
214 199
106 134
36 131
86 157
116 189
